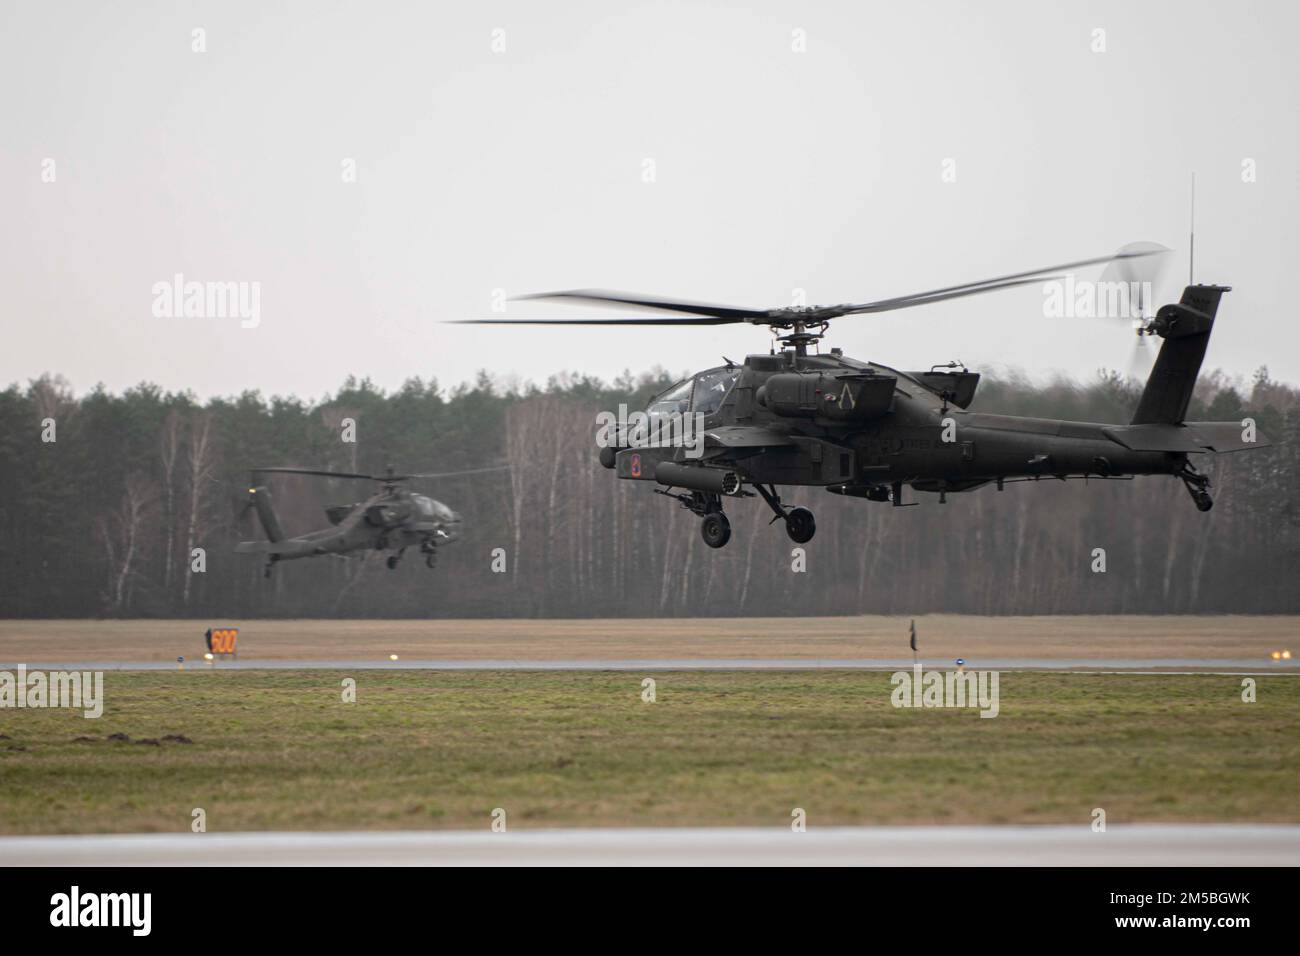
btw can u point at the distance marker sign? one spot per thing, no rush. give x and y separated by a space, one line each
222 640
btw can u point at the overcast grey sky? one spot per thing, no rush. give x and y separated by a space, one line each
523 169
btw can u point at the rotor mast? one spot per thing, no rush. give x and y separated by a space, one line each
803 330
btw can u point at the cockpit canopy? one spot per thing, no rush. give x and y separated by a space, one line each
431 510
702 394
711 388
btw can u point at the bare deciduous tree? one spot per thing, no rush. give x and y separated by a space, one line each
122 533
201 461
169 447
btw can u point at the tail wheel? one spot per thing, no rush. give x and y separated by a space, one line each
1198 486
715 529
800 525
431 559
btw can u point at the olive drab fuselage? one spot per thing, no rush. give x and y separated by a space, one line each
868 431
392 520
859 429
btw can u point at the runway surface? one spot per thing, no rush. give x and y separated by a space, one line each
1242 666
1130 845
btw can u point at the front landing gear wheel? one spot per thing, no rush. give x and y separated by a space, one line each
392 562
715 529
800 525
799 522
431 559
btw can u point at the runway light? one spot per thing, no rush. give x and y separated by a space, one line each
1276 655
1286 655
392 657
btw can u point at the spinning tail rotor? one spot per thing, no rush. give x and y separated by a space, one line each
1139 268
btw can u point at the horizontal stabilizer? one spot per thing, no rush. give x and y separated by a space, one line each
1189 438
288 546
1224 437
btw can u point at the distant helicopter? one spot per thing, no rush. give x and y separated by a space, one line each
866 430
392 519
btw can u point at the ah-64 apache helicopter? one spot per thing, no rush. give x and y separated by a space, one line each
392 519
866 430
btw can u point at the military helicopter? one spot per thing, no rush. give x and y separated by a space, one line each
392 519
795 417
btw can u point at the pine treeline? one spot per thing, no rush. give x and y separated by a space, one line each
104 520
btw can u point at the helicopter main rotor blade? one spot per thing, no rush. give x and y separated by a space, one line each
312 471
385 478
885 305
989 285
453 474
701 313
907 302
605 297
673 320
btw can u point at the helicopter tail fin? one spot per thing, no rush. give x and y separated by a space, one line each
261 500
1186 329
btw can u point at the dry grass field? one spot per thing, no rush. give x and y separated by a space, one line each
942 637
